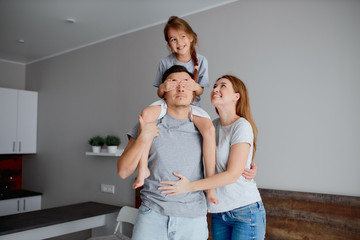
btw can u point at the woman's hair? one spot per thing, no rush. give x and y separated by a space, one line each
243 105
180 24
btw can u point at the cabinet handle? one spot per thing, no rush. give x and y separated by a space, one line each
24 207
18 208
13 146
20 146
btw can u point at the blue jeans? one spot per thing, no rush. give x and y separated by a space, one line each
151 225
242 223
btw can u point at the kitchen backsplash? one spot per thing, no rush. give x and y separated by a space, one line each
10 172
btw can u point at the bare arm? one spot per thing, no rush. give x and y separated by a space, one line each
129 160
237 161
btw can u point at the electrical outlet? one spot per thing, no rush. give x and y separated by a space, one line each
107 188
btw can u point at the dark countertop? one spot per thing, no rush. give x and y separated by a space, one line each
17 194
46 217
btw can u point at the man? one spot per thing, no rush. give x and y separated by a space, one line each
175 147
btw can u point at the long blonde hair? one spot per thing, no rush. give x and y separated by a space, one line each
180 24
243 105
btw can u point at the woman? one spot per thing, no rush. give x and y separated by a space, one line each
240 213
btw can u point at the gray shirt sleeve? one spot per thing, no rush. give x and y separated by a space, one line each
133 132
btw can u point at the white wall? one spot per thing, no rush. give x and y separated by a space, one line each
299 59
92 91
12 75
301 63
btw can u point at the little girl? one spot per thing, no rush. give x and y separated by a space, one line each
182 40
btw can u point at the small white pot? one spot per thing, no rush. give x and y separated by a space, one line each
96 149
112 149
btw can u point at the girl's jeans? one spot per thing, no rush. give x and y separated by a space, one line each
242 223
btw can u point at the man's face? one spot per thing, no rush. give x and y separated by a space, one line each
179 96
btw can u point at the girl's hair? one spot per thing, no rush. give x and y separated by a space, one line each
243 105
180 24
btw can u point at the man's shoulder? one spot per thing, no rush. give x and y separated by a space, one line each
169 122
216 121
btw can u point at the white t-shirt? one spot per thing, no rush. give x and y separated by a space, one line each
194 110
242 192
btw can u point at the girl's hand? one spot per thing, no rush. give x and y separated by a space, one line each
191 85
250 174
148 130
176 187
169 84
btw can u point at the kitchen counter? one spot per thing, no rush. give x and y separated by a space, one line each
20 193
41 224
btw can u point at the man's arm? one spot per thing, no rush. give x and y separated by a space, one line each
129 159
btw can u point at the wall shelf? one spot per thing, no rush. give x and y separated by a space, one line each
105 153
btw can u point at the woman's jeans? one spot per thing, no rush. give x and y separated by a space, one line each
242 223
151 225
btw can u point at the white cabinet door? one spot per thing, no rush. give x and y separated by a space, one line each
27 121
9 206
18 121
31 204
19 205
8 120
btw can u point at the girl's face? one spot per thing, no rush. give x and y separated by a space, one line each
223 93
179 42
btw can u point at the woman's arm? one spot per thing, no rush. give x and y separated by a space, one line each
250 174
237 160
129 159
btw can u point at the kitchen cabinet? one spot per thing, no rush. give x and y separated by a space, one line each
18 121
20 205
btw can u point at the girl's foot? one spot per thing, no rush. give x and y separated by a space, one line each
211 196
139 181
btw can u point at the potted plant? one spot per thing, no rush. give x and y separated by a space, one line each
96 143
112 143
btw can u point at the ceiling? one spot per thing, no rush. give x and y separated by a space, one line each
32 30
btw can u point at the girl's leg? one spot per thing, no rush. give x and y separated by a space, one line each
207 130
149 114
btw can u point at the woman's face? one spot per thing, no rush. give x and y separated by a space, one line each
223 93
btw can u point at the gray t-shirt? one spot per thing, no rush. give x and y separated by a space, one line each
176 149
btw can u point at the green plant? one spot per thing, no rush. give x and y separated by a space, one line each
112 141
96 141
